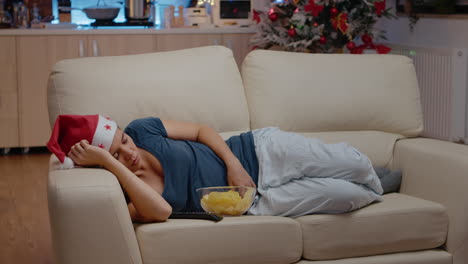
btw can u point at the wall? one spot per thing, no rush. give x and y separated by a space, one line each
429 32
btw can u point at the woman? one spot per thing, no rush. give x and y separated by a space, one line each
160 163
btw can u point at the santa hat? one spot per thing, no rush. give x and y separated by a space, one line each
71 129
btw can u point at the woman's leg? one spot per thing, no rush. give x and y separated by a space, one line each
313 195
286 156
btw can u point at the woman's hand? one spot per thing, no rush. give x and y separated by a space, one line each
238 176
84 154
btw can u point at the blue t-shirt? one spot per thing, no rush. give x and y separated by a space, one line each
189 165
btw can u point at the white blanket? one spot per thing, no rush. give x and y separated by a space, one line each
300 175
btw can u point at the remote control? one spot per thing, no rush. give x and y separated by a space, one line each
196 215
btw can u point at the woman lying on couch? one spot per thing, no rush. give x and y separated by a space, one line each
160 164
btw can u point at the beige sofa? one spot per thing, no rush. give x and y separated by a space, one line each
370 101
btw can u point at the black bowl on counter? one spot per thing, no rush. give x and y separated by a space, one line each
101 12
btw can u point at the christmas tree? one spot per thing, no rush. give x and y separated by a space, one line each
321 26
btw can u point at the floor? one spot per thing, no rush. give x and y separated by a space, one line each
24 222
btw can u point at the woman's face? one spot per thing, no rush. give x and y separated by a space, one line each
124 150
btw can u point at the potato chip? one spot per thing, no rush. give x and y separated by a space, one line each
227 203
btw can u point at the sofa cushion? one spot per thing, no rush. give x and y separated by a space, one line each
200 85
244 239
398 224
432 256
332 92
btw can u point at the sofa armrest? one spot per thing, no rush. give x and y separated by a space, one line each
89 218
438 171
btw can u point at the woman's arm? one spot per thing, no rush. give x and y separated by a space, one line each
137 217
147 205
236 174
150 205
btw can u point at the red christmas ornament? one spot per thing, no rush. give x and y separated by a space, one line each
379 7
292 32
382 49
273 16
351 45
256 16
366 39
323 40
314 9
334 11
358 50
316 24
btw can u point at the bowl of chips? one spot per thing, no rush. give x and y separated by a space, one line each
226 200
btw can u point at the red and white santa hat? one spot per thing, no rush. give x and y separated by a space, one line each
71 129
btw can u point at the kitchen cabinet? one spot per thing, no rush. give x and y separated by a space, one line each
169 42
36 57
8 94
239 44
65 47
33 70
115 45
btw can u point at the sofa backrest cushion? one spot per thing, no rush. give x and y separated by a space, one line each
200 85
332 92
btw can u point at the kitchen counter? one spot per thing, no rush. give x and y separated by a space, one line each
86 30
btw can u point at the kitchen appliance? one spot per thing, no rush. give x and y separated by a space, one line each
138 9
232 12
196 16
101 12
105 16
132 23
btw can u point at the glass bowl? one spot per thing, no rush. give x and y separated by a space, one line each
226 200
